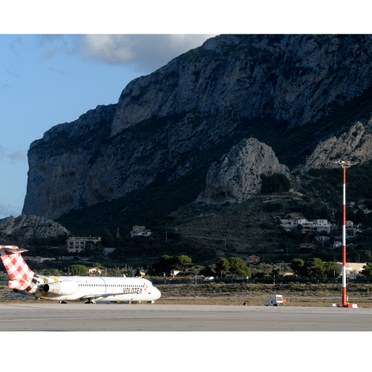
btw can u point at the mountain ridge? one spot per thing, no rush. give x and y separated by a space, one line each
138 161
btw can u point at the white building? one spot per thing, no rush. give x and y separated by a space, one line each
353 269
336 244
140 231
321 222
77 244
349 224
319 225
108 251
302 222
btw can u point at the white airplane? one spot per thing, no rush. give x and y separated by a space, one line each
72 288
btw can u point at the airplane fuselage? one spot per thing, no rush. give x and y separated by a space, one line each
117 289
72 288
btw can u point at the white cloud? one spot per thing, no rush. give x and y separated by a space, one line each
13 156
17 156
146 52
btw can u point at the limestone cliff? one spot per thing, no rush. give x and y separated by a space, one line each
294 78
24 228
62 175
354 145
177 121
237 175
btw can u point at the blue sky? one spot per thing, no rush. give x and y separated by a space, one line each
46 80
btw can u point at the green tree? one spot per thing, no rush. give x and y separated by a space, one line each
332 269
298 266
315 269
165 265
183 262
367 270
207 271
275 273
238 267
261 270
51 272
276 182
79 270
168 263
222 266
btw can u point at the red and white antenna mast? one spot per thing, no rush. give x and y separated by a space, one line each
344 303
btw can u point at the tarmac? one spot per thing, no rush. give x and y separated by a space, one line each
80 317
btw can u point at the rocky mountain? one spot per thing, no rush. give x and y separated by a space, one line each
354 145
181 132
237 175
30 227
291 78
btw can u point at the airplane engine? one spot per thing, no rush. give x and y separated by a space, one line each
66 287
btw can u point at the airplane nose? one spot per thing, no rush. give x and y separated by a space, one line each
157 293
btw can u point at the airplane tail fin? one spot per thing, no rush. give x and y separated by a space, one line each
20 275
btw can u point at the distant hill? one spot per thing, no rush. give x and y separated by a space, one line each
25 229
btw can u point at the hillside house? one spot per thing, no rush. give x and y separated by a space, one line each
322 225
307 246
95 271
253 259
318 225
349 224
353 269
336 244
288 224
140 231
77 244
174 273
107 251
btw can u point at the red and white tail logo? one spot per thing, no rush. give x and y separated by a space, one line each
20 274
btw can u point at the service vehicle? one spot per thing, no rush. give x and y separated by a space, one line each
275 300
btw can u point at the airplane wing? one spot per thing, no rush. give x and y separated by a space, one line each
103 296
